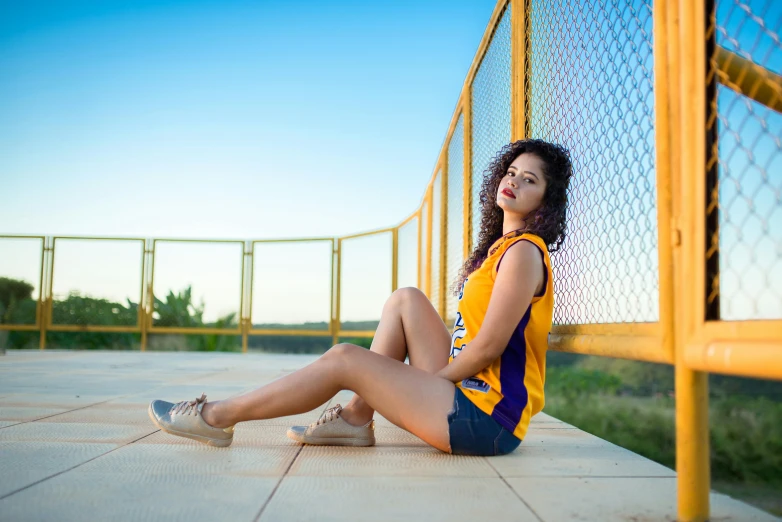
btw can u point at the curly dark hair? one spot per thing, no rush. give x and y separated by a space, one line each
548 221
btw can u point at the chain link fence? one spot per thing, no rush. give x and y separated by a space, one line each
491 110
455 221
407 254
590 88
437 202
423 258
744 162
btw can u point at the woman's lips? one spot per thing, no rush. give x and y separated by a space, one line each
509 193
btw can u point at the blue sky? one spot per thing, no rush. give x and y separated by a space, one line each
225 119
263 120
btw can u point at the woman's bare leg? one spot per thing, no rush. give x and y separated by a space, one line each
409 327
411 398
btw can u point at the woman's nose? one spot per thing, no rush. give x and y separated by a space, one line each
511 184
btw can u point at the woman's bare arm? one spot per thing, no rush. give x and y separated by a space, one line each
520 275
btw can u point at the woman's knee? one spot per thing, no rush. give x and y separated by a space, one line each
342 351
408 295
341 358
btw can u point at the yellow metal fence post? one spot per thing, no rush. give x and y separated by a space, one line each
247 292
467 172
142 304
49 297
429 253
394 259
151 287
418 282
443 232
667 137
46 290
518 65
332 291
692 426
39 306
337 326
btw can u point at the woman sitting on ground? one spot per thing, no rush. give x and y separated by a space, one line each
472 392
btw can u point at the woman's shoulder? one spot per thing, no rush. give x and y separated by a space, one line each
537 240
501 248
534 243
505 242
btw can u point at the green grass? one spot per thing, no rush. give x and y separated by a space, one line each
767 497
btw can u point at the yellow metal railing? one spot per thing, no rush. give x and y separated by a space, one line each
646 78
148 252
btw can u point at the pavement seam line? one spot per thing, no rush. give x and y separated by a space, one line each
187 380
285 474
89 406
488 461
74 467
63 412
276 486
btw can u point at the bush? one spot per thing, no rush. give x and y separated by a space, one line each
746 439
82 310
636 378
571 382
16 303
364 342
14 290
299 344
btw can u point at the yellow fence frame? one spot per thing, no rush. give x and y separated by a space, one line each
249 293
152 329
48 291
429 224
41 301
394 231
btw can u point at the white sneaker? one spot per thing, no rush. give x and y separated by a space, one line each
333 430
184 419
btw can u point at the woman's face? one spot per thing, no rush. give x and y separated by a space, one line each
522 188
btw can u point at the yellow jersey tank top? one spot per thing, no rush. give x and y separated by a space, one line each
511 388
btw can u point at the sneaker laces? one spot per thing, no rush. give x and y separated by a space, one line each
188 407
329 415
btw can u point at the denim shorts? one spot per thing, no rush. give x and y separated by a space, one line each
473 432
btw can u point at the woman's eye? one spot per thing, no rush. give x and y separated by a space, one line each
529 179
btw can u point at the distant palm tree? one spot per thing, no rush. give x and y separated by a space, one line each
179 310
219 343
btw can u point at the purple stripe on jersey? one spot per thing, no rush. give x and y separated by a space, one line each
545 281
513 363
